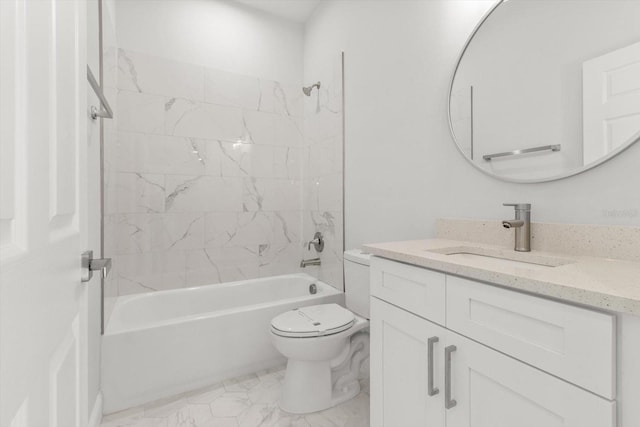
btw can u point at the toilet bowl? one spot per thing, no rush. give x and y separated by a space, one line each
325 345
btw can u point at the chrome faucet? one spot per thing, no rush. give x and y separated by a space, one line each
317 242
522 225
307 262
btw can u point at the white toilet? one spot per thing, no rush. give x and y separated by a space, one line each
323 346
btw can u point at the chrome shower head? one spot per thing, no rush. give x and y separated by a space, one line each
307 90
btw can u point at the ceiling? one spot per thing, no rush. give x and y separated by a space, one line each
294 10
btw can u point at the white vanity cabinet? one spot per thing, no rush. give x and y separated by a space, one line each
465 366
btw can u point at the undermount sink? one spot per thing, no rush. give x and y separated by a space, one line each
502 258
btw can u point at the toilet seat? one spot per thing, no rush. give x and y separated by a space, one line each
313 321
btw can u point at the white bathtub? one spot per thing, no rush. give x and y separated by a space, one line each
164 343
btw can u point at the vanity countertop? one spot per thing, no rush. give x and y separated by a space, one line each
603 283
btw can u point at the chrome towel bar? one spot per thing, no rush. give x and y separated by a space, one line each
105 110
555 147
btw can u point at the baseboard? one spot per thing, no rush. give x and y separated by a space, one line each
96 413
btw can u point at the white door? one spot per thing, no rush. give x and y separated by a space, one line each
43 213
494 390
611 101
400 369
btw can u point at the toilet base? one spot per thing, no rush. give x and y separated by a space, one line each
307 388
312 386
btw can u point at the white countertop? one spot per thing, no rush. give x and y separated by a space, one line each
603 283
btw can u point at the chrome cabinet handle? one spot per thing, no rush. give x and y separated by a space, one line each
431 390
448 401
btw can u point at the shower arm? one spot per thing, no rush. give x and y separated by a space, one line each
307 90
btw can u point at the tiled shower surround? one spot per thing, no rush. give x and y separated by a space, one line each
205 176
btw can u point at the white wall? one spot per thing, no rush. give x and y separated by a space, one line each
213 33
402 169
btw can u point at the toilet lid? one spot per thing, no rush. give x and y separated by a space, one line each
313 321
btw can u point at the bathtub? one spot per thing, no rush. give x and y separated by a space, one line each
165 343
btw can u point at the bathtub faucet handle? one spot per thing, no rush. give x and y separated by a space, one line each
317 242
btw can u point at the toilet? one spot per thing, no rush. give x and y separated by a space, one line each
325 344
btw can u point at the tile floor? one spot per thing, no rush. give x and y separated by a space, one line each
248 401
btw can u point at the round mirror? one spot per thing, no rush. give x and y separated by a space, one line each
548 89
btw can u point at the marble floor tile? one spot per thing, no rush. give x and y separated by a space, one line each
230 404
246 401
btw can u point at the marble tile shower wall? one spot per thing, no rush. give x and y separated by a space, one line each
204 176
323 189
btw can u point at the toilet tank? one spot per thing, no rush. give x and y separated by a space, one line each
356 281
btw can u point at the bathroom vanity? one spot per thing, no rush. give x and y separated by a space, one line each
467 334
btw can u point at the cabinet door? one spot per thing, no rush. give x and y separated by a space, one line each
401 371
494 390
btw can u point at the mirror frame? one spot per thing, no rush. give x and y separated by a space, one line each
570 173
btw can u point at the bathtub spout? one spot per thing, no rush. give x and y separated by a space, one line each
306 262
